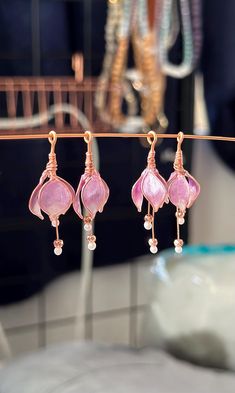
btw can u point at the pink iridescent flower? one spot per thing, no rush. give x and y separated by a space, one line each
53 195
92 193
153 187
183 190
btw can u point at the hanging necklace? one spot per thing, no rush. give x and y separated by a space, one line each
119 63
113 19
144 44
186 66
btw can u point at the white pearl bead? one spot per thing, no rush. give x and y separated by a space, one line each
88 227
148 225
54 222
178 249
58 250
181 220
153 249
91 246
150 242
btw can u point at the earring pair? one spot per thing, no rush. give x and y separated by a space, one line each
54 196
181 190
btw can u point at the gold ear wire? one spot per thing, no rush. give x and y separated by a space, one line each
52 139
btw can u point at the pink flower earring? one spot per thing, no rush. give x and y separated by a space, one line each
52 195
93 192
153 187
183 190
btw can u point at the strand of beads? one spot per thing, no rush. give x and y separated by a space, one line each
186 66
197 29
153 242
113 18
149 225
91 238
178 243
119 63
153 81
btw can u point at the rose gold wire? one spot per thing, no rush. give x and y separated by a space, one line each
57 231
148 208
153 234
52 163
152 140
115 135
178 162
89 164
177 224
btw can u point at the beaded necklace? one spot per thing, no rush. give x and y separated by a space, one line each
191 36
144 43
185 68
113 20
119 63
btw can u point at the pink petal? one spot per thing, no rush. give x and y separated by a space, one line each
172 175
106 192
154 189
178 190
194 190
164 182
93 194
34 206
55 197
68 185
76 202
137 194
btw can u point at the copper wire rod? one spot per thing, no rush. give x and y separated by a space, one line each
116 135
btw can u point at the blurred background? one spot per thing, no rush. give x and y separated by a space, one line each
118 66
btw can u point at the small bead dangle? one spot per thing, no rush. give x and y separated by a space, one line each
183 190
87 223
148 219
153 187
53 195
92 191
58 244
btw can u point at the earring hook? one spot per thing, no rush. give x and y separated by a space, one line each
88 139
178 163
52 139
152 138
180 138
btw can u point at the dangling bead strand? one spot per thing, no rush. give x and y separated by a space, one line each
58 243
178 243
153 241
148 219
91 242
87 224
91 239
180 215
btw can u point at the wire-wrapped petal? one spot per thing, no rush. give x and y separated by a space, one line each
137 193
178 190
194 190
34 206
154 189
55 197
76 202
94 194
